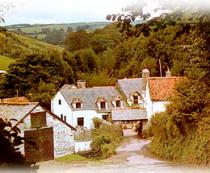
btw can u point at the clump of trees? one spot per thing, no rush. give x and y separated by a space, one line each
182 132
37 76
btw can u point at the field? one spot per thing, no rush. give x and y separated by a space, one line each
4 62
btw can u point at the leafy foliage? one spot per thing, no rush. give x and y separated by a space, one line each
10 156
106 138
182 132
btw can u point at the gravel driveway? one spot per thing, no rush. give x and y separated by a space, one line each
127 160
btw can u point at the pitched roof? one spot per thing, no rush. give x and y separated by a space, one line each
161 88
129 114
129 86
89 96
39 108
15 101
15 111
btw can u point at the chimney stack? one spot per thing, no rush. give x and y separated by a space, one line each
81 84
145 76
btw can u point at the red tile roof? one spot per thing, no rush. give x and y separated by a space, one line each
161 88
15 101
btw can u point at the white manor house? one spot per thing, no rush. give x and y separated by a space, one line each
131 100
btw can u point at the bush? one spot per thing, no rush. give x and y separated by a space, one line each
169 143
106 139
97 122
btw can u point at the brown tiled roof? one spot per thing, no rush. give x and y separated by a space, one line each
15 101
161 88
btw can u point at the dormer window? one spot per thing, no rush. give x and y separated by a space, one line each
78 105
118 103
136 99
101 102
103 105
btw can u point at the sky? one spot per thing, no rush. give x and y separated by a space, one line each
61 11
72 11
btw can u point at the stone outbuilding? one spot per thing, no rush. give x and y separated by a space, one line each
47 136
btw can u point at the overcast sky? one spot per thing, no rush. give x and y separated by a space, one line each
70 11
61 11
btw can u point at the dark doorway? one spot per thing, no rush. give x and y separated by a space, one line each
39 145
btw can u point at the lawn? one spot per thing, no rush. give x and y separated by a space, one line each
72 158
5 62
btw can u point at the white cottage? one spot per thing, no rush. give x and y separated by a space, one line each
158 92
79 105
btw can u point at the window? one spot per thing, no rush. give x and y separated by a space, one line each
105 117
38 120
103 105
59 101
135 99
78 105
62 116
80 122
118 103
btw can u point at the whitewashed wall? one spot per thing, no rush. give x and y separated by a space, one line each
82 146
88 116
63 109
158 106
148 103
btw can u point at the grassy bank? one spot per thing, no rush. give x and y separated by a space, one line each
5 62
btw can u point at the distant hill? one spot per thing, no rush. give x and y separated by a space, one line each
41 30
13 46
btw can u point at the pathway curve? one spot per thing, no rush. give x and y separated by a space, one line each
127 160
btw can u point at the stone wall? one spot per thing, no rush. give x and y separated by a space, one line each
62 134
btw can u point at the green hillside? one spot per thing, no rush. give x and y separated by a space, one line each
41 31
4 62
27 28
15 46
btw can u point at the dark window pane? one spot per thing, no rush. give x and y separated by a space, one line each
78 105
118 103
135 99
59 102
103 105
80 121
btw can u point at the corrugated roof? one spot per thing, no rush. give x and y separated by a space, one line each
161 88
89 96
128 114
15 101
129 86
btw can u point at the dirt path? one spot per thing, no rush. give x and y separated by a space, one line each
127 160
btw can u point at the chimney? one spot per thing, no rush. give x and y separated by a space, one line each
81 84
168 73
145 76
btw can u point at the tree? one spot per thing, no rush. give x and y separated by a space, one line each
10 156
77 40
26 73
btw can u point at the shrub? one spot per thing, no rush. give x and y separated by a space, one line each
97 122
106 139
